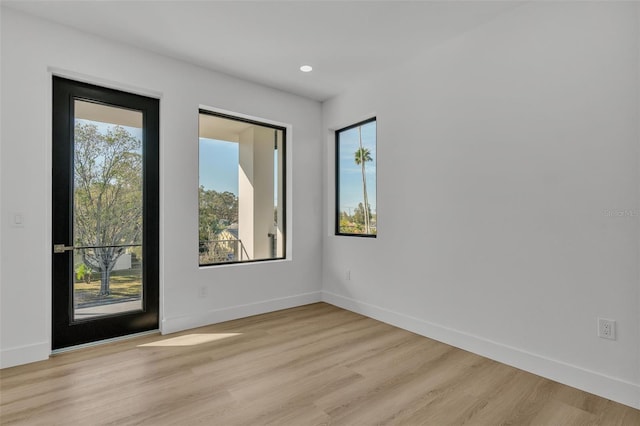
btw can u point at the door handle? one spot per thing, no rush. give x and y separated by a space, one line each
61 248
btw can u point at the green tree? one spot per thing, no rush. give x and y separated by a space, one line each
107 196
217 211
208 224
360 215
84 273
362 156
225 206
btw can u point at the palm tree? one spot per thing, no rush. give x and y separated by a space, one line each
362 156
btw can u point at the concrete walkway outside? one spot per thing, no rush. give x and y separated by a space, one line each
108 309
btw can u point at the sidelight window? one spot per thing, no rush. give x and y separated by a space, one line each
356 212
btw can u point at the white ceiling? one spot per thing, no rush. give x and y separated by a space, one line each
267 41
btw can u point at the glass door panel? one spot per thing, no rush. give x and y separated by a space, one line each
124 282
108 207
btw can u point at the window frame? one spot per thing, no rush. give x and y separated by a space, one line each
285 231
337 177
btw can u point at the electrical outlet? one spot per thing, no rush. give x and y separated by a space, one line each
18 220
202 292
607 328
348 275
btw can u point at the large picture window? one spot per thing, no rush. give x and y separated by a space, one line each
356 213
241 190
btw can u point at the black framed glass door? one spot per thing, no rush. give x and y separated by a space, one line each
105 213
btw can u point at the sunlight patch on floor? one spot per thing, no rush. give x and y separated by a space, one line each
190 339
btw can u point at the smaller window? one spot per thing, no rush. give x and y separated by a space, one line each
356 213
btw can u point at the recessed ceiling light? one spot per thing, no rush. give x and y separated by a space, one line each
306 68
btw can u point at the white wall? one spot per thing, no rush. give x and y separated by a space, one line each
30 49
499 155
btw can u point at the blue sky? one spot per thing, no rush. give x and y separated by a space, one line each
104 127
218 165
351 174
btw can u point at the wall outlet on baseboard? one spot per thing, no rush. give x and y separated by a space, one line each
607 328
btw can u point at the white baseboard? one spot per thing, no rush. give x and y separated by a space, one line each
41 351
24 354
185 322
589 381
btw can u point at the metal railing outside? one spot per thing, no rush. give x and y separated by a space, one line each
222 251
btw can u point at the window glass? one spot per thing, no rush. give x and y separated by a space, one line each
241 190
356 180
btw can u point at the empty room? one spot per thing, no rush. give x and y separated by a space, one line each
319 212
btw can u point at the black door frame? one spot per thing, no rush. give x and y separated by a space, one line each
66 332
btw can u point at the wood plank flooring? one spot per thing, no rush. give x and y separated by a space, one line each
311 365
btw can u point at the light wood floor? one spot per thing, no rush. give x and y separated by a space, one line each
311 365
